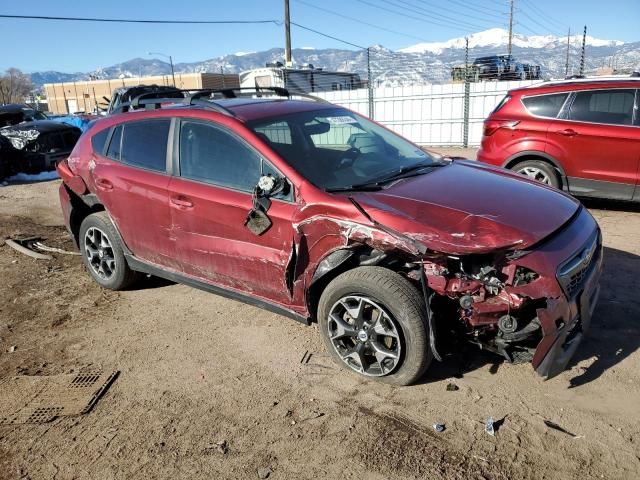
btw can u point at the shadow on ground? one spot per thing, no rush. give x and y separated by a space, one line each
613 336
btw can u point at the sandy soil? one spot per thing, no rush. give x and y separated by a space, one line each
197 370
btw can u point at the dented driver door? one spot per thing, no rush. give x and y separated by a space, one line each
209 202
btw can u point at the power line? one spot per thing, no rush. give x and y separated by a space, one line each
327 35
554 31
478 8
129 20
430 14
379 27
458 12
402 14
542 14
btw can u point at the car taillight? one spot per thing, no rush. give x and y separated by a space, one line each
491 126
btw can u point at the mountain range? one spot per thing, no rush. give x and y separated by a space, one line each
422 63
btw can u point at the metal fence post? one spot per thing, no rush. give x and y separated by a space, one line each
370 84
467 90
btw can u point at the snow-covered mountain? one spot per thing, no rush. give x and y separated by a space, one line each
498 37
423 63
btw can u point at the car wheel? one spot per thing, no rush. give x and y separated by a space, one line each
373 322
102 253
540 171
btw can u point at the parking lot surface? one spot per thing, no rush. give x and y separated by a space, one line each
212 388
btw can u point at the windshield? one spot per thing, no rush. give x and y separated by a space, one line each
336 148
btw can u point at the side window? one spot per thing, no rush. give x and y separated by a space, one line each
614 107
98 141
144 144
277 132
545 105
210 154
113 151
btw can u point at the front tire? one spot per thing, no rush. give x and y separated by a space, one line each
102 253
538 170
373 322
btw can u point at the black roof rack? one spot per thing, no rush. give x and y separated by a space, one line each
195 97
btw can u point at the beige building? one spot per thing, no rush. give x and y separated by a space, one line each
72 97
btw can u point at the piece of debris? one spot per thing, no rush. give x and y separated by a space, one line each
489 427
222 446
264 472
12 349
452 387
21 246
557 427
41 399
439 427
45 248
306 357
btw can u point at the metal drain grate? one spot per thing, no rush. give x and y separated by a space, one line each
44 414
38 399
83 381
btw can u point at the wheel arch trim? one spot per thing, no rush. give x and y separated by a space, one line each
513 160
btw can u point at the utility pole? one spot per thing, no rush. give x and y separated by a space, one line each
173 74
511 2
584 41
566 63
287 35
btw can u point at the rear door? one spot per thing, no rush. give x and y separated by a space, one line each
210 200
131 181
599 143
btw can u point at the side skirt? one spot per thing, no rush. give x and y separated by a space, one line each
144 267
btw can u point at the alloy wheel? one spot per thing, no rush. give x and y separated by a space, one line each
536 174
99 252
365 335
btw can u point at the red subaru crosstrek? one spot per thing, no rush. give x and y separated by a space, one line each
582 136
315 212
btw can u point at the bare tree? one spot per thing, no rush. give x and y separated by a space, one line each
14 86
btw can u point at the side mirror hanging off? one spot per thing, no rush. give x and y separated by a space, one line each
257 220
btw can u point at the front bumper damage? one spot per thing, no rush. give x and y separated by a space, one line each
530 306
559 345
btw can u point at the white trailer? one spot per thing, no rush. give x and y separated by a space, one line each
300 80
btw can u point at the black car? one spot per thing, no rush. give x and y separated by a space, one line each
34 146
15 113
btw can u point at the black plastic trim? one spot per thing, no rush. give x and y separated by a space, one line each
144 267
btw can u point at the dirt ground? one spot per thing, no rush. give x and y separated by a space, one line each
198 369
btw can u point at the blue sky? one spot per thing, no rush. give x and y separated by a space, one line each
69 47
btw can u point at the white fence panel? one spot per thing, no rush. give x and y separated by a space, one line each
429 114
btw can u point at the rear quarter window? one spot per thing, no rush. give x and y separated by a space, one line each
545 105
99 140
141 144
502 103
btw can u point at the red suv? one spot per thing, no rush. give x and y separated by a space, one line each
315 212
581 135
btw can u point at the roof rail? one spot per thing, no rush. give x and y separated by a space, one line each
239 92
599 79
195 97
136 103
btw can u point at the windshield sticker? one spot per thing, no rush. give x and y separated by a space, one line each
341 120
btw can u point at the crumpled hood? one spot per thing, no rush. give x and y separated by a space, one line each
467 207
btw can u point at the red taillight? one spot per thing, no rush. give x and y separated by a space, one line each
491 126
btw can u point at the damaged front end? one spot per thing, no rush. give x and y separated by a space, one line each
533 305
527 305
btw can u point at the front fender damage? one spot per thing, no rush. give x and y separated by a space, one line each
487 299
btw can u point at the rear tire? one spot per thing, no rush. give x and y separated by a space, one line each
102 253
538 170
373 322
